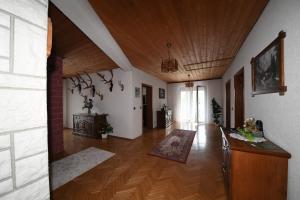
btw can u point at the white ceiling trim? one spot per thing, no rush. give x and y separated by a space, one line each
81 13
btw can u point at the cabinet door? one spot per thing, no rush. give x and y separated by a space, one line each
83 124
226 163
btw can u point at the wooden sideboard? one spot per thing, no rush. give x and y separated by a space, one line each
254 170
164 118
88 124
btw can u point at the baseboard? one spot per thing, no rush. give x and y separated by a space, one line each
123 138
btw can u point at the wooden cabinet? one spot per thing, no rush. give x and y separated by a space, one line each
164 118
254 171
88 124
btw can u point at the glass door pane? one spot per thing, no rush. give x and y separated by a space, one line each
201 104
188 105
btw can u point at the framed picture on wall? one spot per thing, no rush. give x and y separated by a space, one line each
137 92
268 68
161 93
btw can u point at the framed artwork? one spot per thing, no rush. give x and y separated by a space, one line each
161 93
137 92
268 68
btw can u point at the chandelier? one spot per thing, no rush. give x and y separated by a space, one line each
189 83
169 64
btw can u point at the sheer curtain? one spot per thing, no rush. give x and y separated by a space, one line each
201 104
188 105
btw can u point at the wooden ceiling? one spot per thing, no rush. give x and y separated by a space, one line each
79 53
204 33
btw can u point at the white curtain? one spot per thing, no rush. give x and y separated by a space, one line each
201 105
188 105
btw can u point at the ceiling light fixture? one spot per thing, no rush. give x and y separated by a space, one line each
169 64
189 83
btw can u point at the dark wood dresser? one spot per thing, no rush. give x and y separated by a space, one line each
164 118
88 124
254 170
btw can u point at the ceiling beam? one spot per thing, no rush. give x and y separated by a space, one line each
84 17
208 79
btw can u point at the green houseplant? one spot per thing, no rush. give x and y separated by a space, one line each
217 111
107 128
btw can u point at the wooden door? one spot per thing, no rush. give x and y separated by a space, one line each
228 105
239 98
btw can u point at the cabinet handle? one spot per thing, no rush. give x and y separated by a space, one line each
224 169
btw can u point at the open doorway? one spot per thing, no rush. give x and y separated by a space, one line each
147 107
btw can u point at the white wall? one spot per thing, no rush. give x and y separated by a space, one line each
213 88
280 114
139 78
118 104
126 121
23 127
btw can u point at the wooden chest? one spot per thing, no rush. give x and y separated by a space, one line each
88 124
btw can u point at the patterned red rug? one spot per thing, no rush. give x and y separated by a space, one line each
176 146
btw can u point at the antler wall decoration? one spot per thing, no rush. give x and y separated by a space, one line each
81 83
71 90
121 85
76 84
109 82
99 94
89 85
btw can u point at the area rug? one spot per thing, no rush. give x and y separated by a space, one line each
176 146
70 167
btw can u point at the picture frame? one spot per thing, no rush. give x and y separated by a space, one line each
137 92
161 93
268 68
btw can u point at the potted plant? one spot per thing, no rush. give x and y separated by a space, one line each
107 128
217 111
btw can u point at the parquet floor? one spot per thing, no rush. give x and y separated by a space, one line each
133 175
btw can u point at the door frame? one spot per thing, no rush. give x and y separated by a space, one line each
149 110
239 73
228 104
205 103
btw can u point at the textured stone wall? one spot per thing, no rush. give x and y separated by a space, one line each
23 109
55 106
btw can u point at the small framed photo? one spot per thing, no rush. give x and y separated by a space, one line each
268 68
137 92
161 93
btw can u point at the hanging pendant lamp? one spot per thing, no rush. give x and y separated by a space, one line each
169 64
189 83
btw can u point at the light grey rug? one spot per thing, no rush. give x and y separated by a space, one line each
68 168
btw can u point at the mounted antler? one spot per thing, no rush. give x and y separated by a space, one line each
88 84
110 82
99 94
76 84
82 80
121 85
71 90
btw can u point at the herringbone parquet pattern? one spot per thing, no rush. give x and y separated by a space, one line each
134 175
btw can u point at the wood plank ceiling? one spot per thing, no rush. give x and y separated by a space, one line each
79 53
204 33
